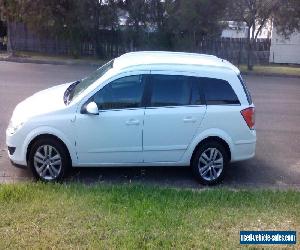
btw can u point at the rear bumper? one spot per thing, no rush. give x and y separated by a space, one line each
243 150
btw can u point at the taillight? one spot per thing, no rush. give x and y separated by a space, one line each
249 116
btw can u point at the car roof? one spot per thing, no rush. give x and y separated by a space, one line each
147 58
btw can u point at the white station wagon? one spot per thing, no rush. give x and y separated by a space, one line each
140 109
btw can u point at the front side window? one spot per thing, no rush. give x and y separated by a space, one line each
122 93
170 90
218 92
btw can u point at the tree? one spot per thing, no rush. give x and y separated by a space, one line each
77 21
174 24
192 20
62 19
257 13
287 19
56 17
157 14
71 20
158 19
3 28
137 19
12 11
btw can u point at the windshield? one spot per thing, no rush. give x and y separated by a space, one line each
78 87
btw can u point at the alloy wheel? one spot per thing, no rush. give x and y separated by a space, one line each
210 164
47 162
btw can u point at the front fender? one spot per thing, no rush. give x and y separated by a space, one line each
46 130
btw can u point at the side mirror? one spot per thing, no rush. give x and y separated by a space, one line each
92 108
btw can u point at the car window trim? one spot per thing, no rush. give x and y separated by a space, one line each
179 106
118 110
144 77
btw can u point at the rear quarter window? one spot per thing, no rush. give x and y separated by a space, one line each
218 92
248 95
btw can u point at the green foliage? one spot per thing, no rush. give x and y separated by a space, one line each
192 20
287 19
12 10
177 23
150 24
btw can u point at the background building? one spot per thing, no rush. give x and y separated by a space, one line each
240 30
285 50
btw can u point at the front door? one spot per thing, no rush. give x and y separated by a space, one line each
115 135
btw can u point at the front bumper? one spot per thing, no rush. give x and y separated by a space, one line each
16 152
11 150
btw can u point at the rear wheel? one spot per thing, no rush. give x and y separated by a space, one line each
48 160
210 162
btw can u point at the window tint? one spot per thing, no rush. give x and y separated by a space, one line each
218 92
197 95
123 93
169 90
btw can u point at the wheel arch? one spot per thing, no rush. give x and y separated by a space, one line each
43 136
215 139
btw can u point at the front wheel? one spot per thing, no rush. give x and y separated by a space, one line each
210 162
48 160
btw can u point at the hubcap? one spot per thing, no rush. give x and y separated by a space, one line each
47 162
210 164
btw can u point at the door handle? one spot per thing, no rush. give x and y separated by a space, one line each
133 122
189 119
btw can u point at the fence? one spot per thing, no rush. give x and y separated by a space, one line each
235 49
25 40
115 43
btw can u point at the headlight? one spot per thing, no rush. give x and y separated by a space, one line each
14 126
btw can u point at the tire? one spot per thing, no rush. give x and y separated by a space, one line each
49 160
210 162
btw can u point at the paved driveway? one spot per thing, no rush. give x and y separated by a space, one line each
277 161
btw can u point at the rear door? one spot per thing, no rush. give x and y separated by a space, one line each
174 113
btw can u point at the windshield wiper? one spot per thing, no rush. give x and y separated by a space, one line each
68 95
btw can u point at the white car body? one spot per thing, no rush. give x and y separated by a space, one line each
139 136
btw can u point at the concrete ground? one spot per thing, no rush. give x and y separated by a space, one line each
277 160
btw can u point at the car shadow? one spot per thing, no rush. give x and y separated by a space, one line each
162 176
252 173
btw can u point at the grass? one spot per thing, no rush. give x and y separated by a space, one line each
274 69
36 215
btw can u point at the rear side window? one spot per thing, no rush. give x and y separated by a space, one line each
245 89
218 92
170 90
